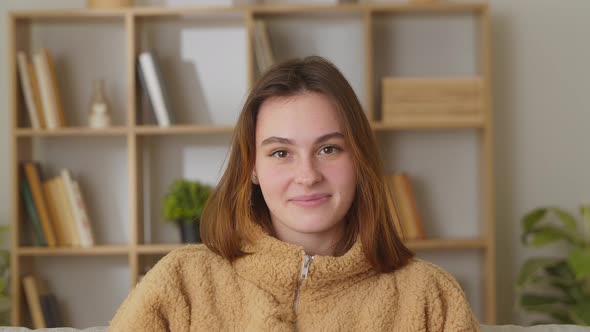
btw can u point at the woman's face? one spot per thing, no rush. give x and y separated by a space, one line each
303 165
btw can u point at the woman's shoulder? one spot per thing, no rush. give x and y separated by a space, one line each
193 253
426 276
191 259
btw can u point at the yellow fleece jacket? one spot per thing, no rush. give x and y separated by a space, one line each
193 289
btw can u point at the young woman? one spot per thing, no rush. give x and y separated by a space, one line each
300 231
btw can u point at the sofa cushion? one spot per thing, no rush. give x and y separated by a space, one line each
58 329
537 328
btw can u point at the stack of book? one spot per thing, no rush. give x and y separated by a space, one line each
405 202
40 90
56 209
42 303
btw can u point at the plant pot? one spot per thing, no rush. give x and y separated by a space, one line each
189 231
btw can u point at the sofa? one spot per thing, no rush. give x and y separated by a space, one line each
485 328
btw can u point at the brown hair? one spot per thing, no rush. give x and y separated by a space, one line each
236 202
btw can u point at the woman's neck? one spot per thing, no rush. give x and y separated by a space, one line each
320 243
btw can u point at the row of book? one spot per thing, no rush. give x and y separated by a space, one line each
42 303
55 208
39 86
412 227
40 90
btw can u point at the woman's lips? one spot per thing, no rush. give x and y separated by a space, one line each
310 200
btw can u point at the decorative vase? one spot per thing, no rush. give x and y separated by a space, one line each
189 231
100 113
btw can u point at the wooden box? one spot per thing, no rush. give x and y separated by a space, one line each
423 98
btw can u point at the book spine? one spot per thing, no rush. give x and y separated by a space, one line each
84 214
36 95
33 300
23 71
46 310
33 176
163 90
154 88
416 218
51 201
45 92
66 211
54 311
48 62
145 97
33 217
403 204
80 217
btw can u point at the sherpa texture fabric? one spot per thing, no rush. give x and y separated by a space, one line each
193 289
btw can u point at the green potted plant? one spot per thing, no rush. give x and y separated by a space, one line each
557 287
183 205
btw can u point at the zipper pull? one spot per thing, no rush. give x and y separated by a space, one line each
305 270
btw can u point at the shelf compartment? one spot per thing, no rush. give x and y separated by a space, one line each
196 157
106 250
186 50
73 75
72 131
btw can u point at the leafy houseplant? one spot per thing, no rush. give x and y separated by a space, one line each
183 204
558 287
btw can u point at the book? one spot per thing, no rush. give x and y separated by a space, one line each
262 47
411 220
151 80
32 294
389 197
49 307
78 209
33 176
27 89
42 303
33 216
37 95
62 233
65 210
48 60
45 91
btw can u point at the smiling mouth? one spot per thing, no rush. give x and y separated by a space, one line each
310 201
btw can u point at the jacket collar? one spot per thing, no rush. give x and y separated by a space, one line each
275 266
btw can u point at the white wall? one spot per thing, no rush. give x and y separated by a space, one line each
542 114
541 74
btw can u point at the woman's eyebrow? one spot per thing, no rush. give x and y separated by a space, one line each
282 140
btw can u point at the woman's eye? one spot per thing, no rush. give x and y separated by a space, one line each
329 149
279 154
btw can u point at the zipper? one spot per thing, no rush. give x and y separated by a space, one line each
307 259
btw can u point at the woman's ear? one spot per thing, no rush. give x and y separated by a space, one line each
254 178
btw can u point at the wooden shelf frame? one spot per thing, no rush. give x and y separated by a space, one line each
134 132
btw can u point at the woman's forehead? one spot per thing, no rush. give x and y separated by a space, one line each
298 118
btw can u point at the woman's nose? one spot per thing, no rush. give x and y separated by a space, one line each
307 172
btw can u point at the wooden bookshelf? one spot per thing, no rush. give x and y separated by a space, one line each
71 251
133 132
